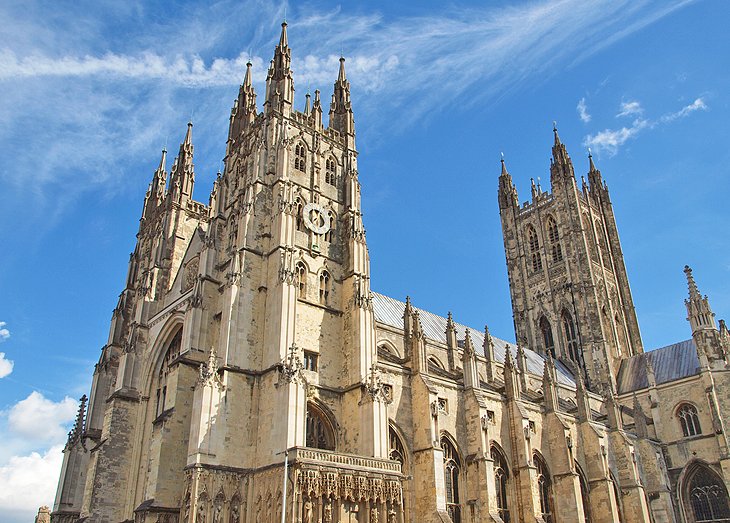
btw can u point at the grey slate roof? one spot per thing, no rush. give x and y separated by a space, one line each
390 312
670 363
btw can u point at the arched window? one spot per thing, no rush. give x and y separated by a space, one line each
571 338
300 157
232 232
689 420
544 487
547 336
300 214
705 496
324 287
534 245
554 239
330 230
436 362
301 280
452 468
397 451
501 477
319 431
171 352
330 173
584 494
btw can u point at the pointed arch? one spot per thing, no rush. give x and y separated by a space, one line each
325 284
689 420
544 487
584 493
332 221
547 335
553 235
571 337
330 173
452 472
704 496
396 445
171 351
299 204
533 243
320 433
387 346
300 157
301 272
501 481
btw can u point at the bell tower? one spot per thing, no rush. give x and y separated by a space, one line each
568 283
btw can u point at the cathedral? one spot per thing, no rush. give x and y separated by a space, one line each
251 374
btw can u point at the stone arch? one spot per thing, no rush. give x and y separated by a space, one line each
320 426
688 417
389 347
544 487
585 490
397 449
160 347
502 481
703 496
452 476
436 362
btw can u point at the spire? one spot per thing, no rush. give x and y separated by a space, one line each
79 425
561 166
489 354
156 191
594 175
341 117
592 166
244 109
699 313
308 104
182 179
469 362
280 84
317 110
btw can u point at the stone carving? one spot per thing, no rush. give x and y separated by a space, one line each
327 517
374 515
307 516
191 274
290 368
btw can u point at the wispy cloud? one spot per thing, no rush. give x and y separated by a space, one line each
610 140
6 365
632 108
582 109
4 332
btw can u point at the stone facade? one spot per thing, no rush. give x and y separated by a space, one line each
251 375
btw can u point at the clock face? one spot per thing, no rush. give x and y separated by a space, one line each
315 218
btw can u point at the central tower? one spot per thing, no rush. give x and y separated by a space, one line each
568 283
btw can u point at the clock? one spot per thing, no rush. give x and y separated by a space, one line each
315 218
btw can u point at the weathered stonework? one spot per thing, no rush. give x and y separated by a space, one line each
251 373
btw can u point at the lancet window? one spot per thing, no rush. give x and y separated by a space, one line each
300 157
547 336
171 352
319 431
544 486
501 478
554 239
689 420
330 172
330 230
300 214
301 275
571 338
584 495
706 497
452 467
534 246
324 287
397 451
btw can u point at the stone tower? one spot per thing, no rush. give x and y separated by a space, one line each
568 283
245 333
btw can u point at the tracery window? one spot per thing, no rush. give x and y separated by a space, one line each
544 486
706 496
452 468
324 287
547 336
300 157
301 275
689 420
172 351
397 451
571 338
501 477
319 432
554 239
534 246
330 172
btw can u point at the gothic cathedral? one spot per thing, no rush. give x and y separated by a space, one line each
251 375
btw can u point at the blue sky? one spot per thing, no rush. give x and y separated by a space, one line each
91 91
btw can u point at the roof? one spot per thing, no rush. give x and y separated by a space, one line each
670 363
390 312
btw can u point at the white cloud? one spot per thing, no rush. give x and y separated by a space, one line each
582 109
632 108
39 419
697 105
4 332
610 140
27 482
6 365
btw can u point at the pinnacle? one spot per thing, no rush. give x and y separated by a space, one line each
692 286
284 39
555 132
247 78
341 76
189 134
590 161
504 167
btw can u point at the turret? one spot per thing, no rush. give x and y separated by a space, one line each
561 166
279 83
507 191
244 109
699 313
341 117
156 191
